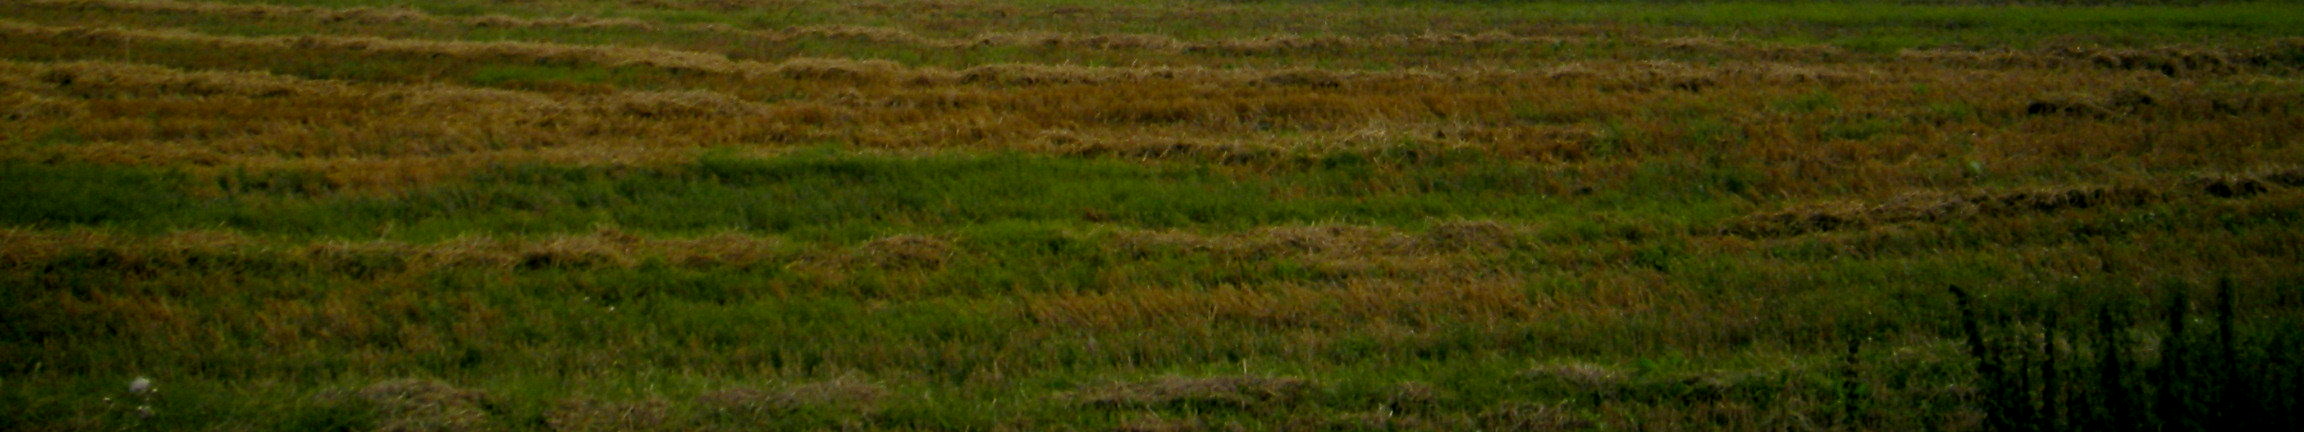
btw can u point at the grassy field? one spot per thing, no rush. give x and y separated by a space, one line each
1150 215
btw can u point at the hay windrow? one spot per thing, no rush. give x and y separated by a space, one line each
1269 44
1227 392
426 405
1944 207
840 395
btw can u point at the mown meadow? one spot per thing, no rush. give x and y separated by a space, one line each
1150 215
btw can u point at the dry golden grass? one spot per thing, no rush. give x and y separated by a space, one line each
1268 44
364 15
1937 206
842 394
587 415
606 248
366 136
423 405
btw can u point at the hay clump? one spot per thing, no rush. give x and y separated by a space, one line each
17 105
1236 392
827 69
1037 74
107 78
1302 77
2116 104
846 395
1469 234
1530 416
587 415
905 252
414 405
1586 377
1937 206
676 104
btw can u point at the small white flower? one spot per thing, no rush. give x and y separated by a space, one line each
143 411
141 385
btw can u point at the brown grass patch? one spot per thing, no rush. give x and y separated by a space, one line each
19 105
1471 235
612 56
110 79
588 415
2115 104
2173 61
1530 416
1416 397
1153 147
1351 302
723 249
847 395
1616 75
1270 44
1587 377
683 103
413 405
840 70
1355 241
605 248
1153 422
363 15
1367 421
1235 392
1933 207
905 252
1300 77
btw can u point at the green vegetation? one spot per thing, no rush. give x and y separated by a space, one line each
1149 215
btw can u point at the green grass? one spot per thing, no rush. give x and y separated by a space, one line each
1552 263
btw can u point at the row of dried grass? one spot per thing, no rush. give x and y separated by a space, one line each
612 248
1340 240
137 114
1378 289
2173 60
63 92
1228 392
606 248
356 15
1361 302
2277 55
504 117
1639 74
433 405
1278 43
846 396
352 145
1941 206
435 49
